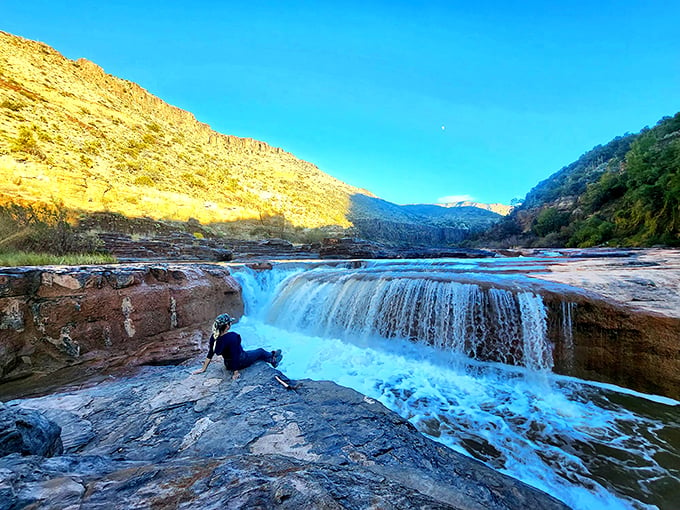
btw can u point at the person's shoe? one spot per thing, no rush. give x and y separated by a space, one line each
276 357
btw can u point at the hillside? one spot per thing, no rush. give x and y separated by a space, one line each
82 142
69 132
625 193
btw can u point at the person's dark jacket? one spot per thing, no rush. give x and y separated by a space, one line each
229 347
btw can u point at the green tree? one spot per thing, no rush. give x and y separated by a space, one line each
549 220
650 207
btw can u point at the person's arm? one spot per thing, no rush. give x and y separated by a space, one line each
208 359
204 367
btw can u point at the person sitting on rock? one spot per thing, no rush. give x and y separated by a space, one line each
228 344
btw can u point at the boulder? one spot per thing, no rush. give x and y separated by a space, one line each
28 432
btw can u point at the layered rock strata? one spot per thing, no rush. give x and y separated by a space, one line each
163 438
624 311
598 339
354 248
68 322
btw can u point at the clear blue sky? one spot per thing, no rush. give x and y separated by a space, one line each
413 100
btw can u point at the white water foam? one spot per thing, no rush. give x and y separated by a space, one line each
571 439
485 324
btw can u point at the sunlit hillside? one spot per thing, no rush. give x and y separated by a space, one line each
71 133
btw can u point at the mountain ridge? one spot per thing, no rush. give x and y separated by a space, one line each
495 207
74 135
70 117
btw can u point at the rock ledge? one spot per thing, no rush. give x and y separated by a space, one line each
164 438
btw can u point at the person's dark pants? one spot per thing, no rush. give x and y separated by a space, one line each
250 357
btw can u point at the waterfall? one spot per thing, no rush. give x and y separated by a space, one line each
567 334
380 327
488 324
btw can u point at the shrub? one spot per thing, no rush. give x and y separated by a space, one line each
12 104
591 232
193 180
92 146
549 220
42 228
85 161
144 180
25 142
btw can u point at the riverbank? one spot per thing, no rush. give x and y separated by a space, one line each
160 437
152 309
59 323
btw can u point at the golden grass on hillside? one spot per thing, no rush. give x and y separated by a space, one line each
70 132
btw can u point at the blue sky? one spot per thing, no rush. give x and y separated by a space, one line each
412 100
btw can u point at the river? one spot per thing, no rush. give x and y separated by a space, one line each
409 335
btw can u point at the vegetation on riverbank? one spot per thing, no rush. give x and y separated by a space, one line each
40 234
22 258
625 193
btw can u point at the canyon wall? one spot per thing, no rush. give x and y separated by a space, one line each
612 343
409 234
60 322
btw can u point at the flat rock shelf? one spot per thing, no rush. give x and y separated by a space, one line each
159 437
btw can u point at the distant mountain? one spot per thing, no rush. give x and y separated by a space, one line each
418 224
625 193
501 209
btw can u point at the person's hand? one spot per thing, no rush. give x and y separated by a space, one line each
203 368
235 375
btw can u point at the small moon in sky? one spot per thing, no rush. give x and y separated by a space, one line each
443 128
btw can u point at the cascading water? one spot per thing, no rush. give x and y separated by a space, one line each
410 335
567 334
492 324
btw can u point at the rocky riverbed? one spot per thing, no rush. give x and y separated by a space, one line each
642 280
626 313
160 437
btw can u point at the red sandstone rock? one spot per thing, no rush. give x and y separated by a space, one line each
52 317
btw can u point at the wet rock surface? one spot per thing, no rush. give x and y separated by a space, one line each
643 280
161 437
624 308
